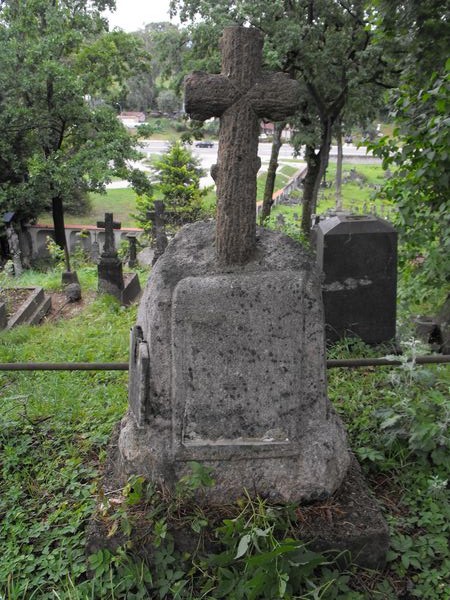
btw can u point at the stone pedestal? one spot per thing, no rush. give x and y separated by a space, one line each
358 256
227 367
110 276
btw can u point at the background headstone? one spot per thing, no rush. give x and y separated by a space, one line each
157 218
358 256
110 272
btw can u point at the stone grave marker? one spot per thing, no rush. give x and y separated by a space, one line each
110 273
158 220
236 374
358 255
132 250
227 359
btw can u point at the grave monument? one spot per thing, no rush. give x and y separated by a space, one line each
110 272
159 237
227 360
358 256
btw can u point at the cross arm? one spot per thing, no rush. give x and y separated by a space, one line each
208 95
114 224
274 96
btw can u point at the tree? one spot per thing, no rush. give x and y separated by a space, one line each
176 177
271 171
168 101
61 70
418 150
325 44
420 183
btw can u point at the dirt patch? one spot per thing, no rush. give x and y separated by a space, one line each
13 299
63 309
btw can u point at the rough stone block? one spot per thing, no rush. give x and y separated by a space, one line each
236 378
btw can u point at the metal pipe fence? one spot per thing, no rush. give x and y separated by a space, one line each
350 363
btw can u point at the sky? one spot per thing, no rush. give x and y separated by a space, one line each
131 15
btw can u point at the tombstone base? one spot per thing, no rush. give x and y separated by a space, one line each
349 522
131 290
110 277
281 472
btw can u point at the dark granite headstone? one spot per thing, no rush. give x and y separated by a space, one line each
358 255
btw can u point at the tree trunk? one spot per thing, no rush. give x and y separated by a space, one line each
316 167
340 156
312 173
58 225
272 172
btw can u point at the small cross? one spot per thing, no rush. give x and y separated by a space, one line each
109 248
241 95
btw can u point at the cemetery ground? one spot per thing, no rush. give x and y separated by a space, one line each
53 437
55 427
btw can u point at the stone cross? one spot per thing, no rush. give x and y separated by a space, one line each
109 248
241 96
157 217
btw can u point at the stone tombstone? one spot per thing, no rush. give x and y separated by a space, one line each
132 251
227 360
158 220
110 273
358 256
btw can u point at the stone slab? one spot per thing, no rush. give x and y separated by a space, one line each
32 310
3 317
110 276
351 521
358 256
131 290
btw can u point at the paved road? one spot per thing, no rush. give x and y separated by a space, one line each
208 157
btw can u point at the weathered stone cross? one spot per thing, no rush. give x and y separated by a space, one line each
109 247
241 95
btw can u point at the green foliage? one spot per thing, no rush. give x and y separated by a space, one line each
398 423
168 102
255 558
60 137
419 185
177 178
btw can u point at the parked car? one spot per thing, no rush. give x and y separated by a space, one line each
204 144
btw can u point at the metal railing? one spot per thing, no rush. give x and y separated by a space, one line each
349 363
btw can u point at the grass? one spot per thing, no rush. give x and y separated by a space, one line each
54 427
121 202
356 197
